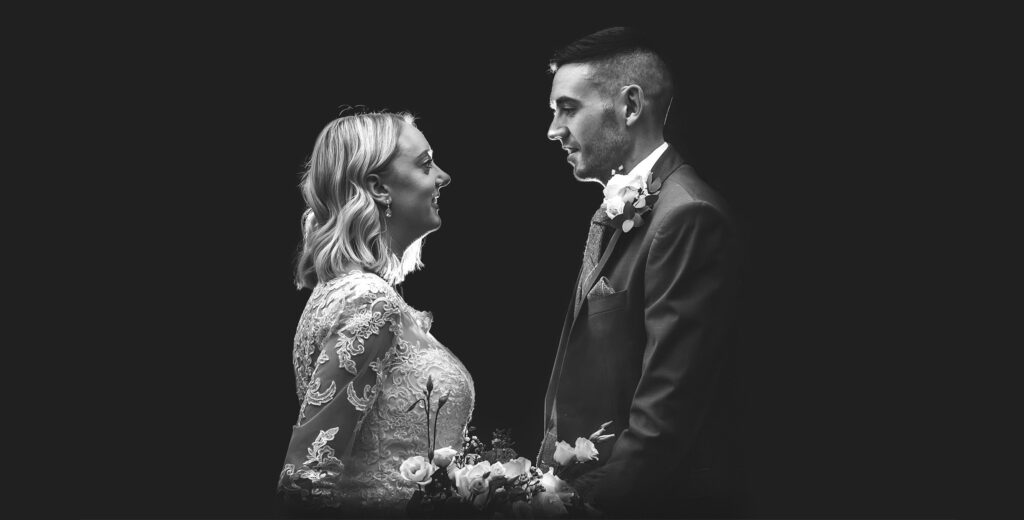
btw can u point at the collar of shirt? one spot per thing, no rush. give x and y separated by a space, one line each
647 164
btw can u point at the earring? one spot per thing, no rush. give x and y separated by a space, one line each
387 212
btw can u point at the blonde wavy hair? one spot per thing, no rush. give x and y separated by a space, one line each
343 224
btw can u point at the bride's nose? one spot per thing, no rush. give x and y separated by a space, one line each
443 179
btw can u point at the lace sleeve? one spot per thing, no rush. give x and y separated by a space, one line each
349 371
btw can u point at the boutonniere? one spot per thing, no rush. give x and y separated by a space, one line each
627 199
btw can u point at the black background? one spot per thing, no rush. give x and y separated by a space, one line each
806 119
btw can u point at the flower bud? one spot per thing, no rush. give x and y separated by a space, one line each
443 456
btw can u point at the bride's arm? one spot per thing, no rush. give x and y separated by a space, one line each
345 383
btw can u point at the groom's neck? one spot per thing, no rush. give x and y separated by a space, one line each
642 147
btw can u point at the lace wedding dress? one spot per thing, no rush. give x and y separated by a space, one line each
362 356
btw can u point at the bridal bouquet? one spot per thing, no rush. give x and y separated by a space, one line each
481 482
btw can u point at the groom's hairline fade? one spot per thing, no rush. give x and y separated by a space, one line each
621 56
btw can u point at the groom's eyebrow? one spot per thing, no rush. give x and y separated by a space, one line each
563 100
425 154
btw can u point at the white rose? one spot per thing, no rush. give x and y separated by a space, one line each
417 469
547 504
551 482
443 456
514 468
613 207
585 450
497 470
465 477
480 469
458 477
479 489
564 453
620 185
621 190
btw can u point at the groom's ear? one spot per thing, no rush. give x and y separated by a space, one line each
378 190
633 103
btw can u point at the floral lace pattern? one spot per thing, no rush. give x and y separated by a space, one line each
341 320
315 397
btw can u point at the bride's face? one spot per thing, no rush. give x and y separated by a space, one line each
414 182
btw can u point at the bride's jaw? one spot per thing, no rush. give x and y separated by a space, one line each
402 233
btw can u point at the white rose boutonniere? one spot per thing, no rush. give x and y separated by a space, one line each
627 199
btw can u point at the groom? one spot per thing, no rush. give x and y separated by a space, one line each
646 338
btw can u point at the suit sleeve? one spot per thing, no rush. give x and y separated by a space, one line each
689 288
349 371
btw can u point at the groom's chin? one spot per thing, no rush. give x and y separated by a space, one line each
583 175
586 177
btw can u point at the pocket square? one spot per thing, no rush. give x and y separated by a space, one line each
601 288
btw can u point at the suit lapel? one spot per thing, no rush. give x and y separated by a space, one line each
669 162
666 164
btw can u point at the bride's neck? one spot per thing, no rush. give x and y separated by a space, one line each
399 242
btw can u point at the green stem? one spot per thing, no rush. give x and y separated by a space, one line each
426 406
436 415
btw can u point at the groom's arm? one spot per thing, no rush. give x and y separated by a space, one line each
690 279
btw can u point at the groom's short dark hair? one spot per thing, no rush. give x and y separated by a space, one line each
621 56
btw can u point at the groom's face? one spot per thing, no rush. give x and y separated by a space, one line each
585 123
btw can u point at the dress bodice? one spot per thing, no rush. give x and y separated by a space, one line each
362 357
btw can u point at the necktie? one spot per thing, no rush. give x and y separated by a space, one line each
596 239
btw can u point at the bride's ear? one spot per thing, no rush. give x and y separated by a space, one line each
378 190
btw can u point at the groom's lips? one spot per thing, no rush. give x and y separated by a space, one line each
571 151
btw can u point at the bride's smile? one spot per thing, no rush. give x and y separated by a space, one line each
410 187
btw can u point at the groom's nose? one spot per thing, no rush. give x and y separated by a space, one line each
557 131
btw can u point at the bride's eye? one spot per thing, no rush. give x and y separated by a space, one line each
429 165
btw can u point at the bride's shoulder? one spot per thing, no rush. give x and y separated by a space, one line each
359 287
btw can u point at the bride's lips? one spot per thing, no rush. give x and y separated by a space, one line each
435 201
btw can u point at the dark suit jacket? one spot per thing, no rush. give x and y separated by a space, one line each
651 356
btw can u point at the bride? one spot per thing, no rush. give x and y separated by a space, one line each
362 356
